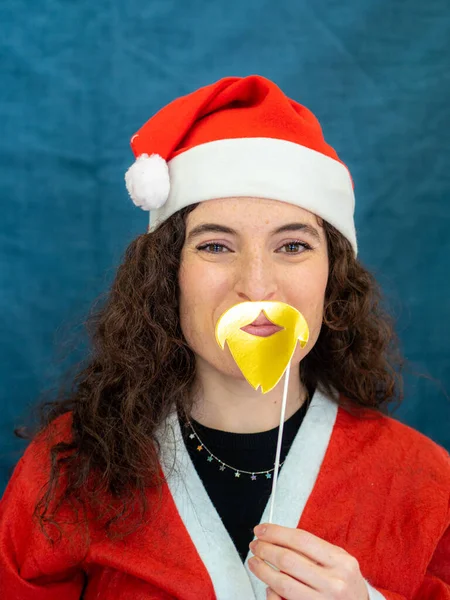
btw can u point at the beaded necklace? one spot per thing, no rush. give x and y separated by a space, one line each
223 465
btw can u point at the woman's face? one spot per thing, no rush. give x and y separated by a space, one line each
249 249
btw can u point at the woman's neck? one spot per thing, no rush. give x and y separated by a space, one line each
231 404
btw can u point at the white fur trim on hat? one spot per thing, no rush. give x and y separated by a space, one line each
262 168
148 181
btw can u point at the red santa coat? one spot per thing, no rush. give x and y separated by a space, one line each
377 488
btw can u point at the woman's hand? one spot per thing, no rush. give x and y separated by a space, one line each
310 568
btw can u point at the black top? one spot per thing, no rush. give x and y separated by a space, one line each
239 501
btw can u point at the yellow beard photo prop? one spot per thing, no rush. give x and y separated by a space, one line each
262 360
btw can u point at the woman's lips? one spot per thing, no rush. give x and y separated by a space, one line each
261 326
261 330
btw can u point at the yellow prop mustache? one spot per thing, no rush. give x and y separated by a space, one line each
262 360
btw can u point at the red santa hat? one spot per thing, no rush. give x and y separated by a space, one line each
240 136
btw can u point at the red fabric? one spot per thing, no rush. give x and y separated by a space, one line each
382 494
210 113
131 570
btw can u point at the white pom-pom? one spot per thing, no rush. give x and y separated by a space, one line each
148 181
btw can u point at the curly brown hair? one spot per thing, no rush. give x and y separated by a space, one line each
140 366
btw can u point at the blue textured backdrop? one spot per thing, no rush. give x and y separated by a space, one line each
78 78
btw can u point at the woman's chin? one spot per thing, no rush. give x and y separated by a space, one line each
223 366
230 370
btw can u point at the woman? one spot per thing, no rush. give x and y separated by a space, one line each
148 480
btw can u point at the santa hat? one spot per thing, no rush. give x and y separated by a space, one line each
240 136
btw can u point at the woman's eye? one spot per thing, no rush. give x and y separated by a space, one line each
213 248
295 247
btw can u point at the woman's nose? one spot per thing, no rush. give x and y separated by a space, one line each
255 278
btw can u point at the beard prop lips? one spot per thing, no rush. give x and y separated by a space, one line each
262 337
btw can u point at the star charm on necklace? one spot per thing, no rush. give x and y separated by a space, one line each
192 436
210 458
237 474
253 477
222 467
199 448
268 475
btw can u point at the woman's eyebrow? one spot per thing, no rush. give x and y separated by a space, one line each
209 228
216 228
298 227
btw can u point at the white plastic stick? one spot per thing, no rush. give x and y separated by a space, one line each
280 438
